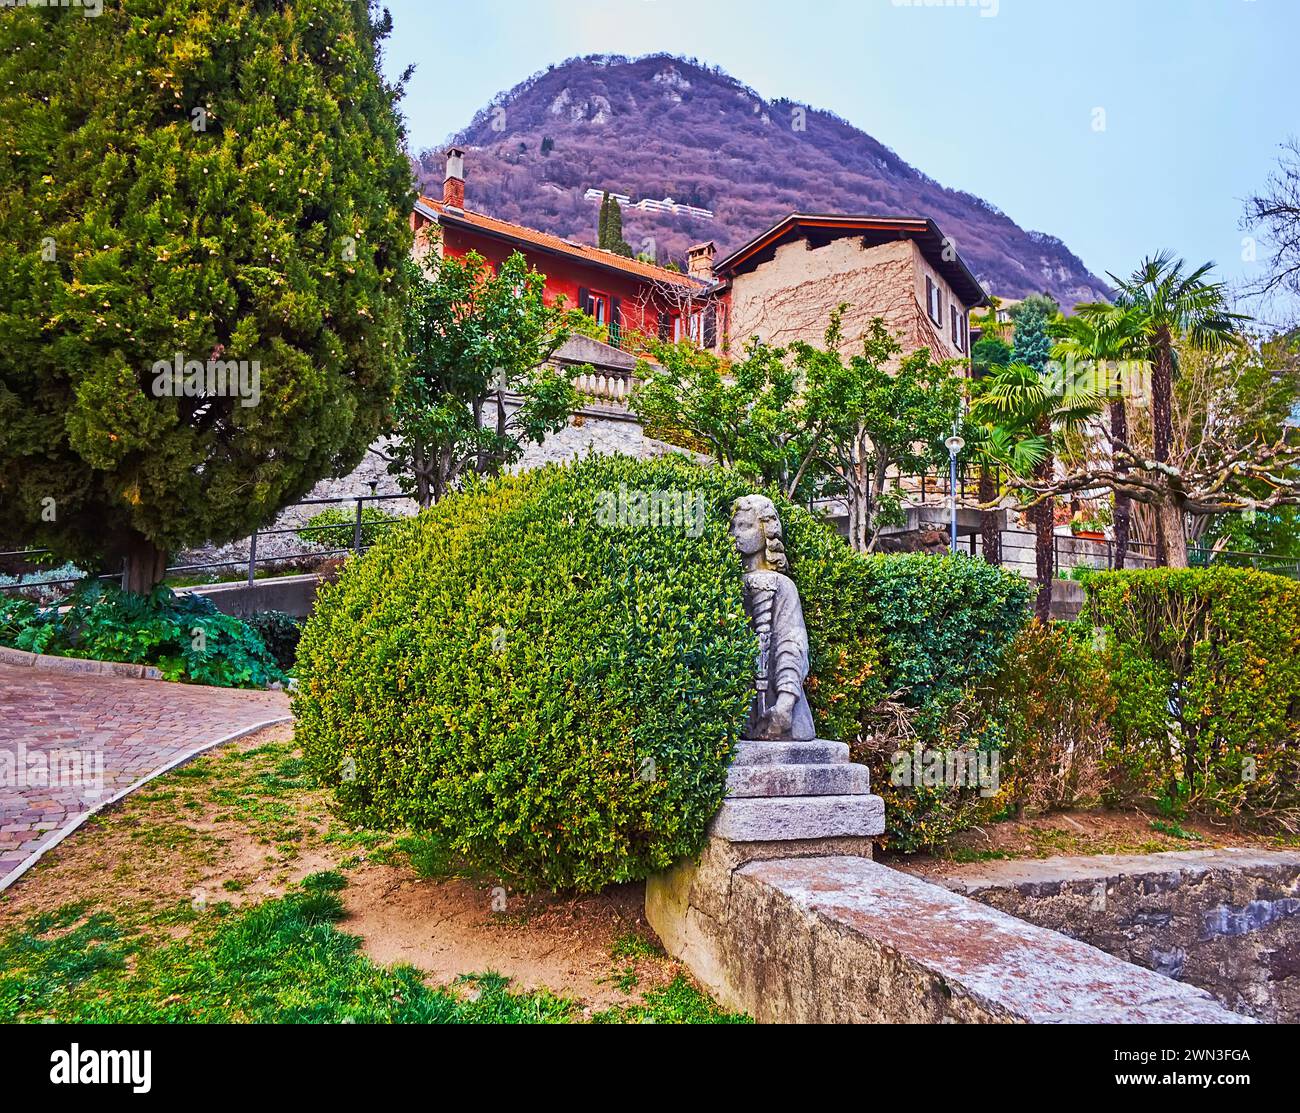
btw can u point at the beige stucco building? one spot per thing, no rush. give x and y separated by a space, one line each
784 285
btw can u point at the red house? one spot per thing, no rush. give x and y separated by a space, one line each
625 295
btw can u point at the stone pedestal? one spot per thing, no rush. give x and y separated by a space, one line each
785 792
784 800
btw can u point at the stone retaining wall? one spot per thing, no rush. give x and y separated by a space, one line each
843 939
1225 920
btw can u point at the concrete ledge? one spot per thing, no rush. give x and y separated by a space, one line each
688 904
1227 921
292 595
845 940
80 665
1067 600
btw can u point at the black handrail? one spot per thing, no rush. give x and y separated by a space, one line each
359 530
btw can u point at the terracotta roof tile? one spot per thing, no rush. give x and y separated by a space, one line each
557 244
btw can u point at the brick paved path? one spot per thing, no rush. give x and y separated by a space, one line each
70 743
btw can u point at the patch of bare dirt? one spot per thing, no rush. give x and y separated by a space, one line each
137 851
215 838
449 928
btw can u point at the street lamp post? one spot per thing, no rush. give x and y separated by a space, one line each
954 444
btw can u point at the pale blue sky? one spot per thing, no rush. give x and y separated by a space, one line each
1197 94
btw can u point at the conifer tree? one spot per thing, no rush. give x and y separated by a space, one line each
190 183
617 244
602 227
609 231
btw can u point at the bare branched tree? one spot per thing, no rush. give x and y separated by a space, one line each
1219 477
1276 211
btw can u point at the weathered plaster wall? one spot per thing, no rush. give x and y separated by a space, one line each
1225 920
791 297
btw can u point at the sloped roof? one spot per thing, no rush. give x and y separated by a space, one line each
822 227
544 241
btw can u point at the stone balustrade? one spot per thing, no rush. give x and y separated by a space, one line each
605 387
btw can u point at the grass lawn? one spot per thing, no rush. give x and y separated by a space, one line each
224 891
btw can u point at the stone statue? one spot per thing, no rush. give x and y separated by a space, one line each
780 710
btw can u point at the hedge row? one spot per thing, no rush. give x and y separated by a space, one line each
1204 665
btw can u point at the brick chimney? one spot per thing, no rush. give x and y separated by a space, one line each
699 261
453 185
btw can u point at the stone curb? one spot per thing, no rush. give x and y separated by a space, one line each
68 828
80 665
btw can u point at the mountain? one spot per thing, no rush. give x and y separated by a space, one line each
662 126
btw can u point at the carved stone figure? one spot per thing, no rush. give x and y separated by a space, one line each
780 710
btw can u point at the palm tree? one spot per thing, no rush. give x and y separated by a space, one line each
1170 303
1100 334
1022 411
996 450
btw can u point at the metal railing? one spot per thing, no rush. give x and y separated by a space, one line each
1261 562
34 579
1098 553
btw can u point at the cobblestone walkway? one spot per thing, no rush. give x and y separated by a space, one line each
69 744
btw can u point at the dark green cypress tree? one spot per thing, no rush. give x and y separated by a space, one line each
222 179
614 234
602 227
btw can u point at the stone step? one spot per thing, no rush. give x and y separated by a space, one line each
816 752
782 818
842 779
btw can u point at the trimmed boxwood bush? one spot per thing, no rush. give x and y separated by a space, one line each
498 670
1205 668
1052 701
554 696
898 645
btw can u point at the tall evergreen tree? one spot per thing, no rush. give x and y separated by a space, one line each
617 244
192 181
602 226
1032 343
609 230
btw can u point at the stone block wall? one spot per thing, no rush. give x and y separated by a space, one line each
842 939
1227 921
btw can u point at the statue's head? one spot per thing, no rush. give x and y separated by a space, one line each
756 529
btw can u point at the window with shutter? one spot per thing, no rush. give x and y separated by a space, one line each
711 327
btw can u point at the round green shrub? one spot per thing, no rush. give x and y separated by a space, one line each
498 670
553 691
